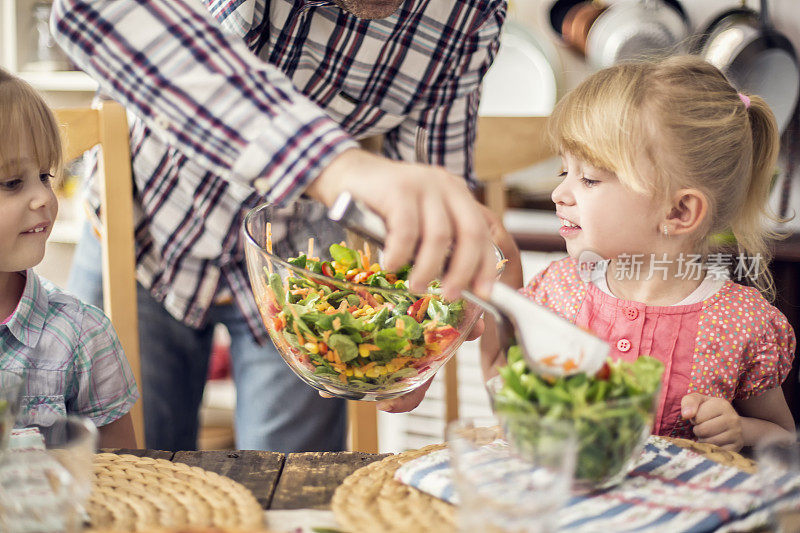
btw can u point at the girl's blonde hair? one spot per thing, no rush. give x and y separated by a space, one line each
26 118
678 123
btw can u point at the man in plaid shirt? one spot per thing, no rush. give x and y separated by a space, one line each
237 102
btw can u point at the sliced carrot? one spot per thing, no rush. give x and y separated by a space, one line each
549 360
368 298
569 365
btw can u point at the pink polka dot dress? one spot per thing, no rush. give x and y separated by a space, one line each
733 345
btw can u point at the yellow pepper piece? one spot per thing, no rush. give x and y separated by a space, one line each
364 349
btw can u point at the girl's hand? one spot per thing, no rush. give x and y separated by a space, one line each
715 420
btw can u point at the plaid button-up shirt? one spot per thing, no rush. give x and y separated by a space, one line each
70 356
238 95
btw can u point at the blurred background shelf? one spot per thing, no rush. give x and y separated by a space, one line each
66 80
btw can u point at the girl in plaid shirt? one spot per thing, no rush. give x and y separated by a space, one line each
68 351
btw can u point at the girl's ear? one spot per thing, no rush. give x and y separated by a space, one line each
688 211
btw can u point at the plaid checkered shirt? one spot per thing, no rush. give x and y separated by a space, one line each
227 97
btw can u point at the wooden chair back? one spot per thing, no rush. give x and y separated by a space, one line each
107 126
503 145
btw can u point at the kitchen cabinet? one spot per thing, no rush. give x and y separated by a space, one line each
20 46
21 54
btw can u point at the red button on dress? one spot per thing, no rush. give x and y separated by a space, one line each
623 345
631 313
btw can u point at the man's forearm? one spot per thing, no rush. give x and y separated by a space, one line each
201 90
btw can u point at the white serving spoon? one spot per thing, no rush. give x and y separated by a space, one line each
552 345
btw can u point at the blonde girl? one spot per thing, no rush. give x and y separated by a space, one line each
67 350
658 158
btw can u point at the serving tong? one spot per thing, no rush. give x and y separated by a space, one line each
551 345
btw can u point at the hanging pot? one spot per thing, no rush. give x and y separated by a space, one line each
577 22
558 12
755 57
636 29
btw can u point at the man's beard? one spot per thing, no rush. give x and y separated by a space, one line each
370 9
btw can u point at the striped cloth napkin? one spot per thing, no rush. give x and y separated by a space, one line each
669 489
26 439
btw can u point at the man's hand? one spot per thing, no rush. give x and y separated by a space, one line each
426 209
715 420
401 404
410 401
407 402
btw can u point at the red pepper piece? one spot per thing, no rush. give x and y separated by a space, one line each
419 308
604 373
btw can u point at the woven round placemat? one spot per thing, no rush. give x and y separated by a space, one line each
140 494
371 500
715 453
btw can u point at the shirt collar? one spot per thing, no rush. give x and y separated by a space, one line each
304 4
27 321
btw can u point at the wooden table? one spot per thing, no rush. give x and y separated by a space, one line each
278 481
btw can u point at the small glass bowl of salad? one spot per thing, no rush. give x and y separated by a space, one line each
611 413
343 324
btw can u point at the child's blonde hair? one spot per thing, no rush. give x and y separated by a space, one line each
26 118
678 123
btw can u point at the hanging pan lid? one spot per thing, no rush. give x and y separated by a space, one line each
755 57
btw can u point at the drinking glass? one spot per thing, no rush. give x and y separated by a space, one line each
502 487
10 391
778 460
43 487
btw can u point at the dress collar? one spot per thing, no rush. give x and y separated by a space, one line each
27 321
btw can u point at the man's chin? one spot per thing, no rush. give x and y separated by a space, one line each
370 9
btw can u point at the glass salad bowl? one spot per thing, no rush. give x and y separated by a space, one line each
611 413
342 324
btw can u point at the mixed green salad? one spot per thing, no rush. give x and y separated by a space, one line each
361 337
610 412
